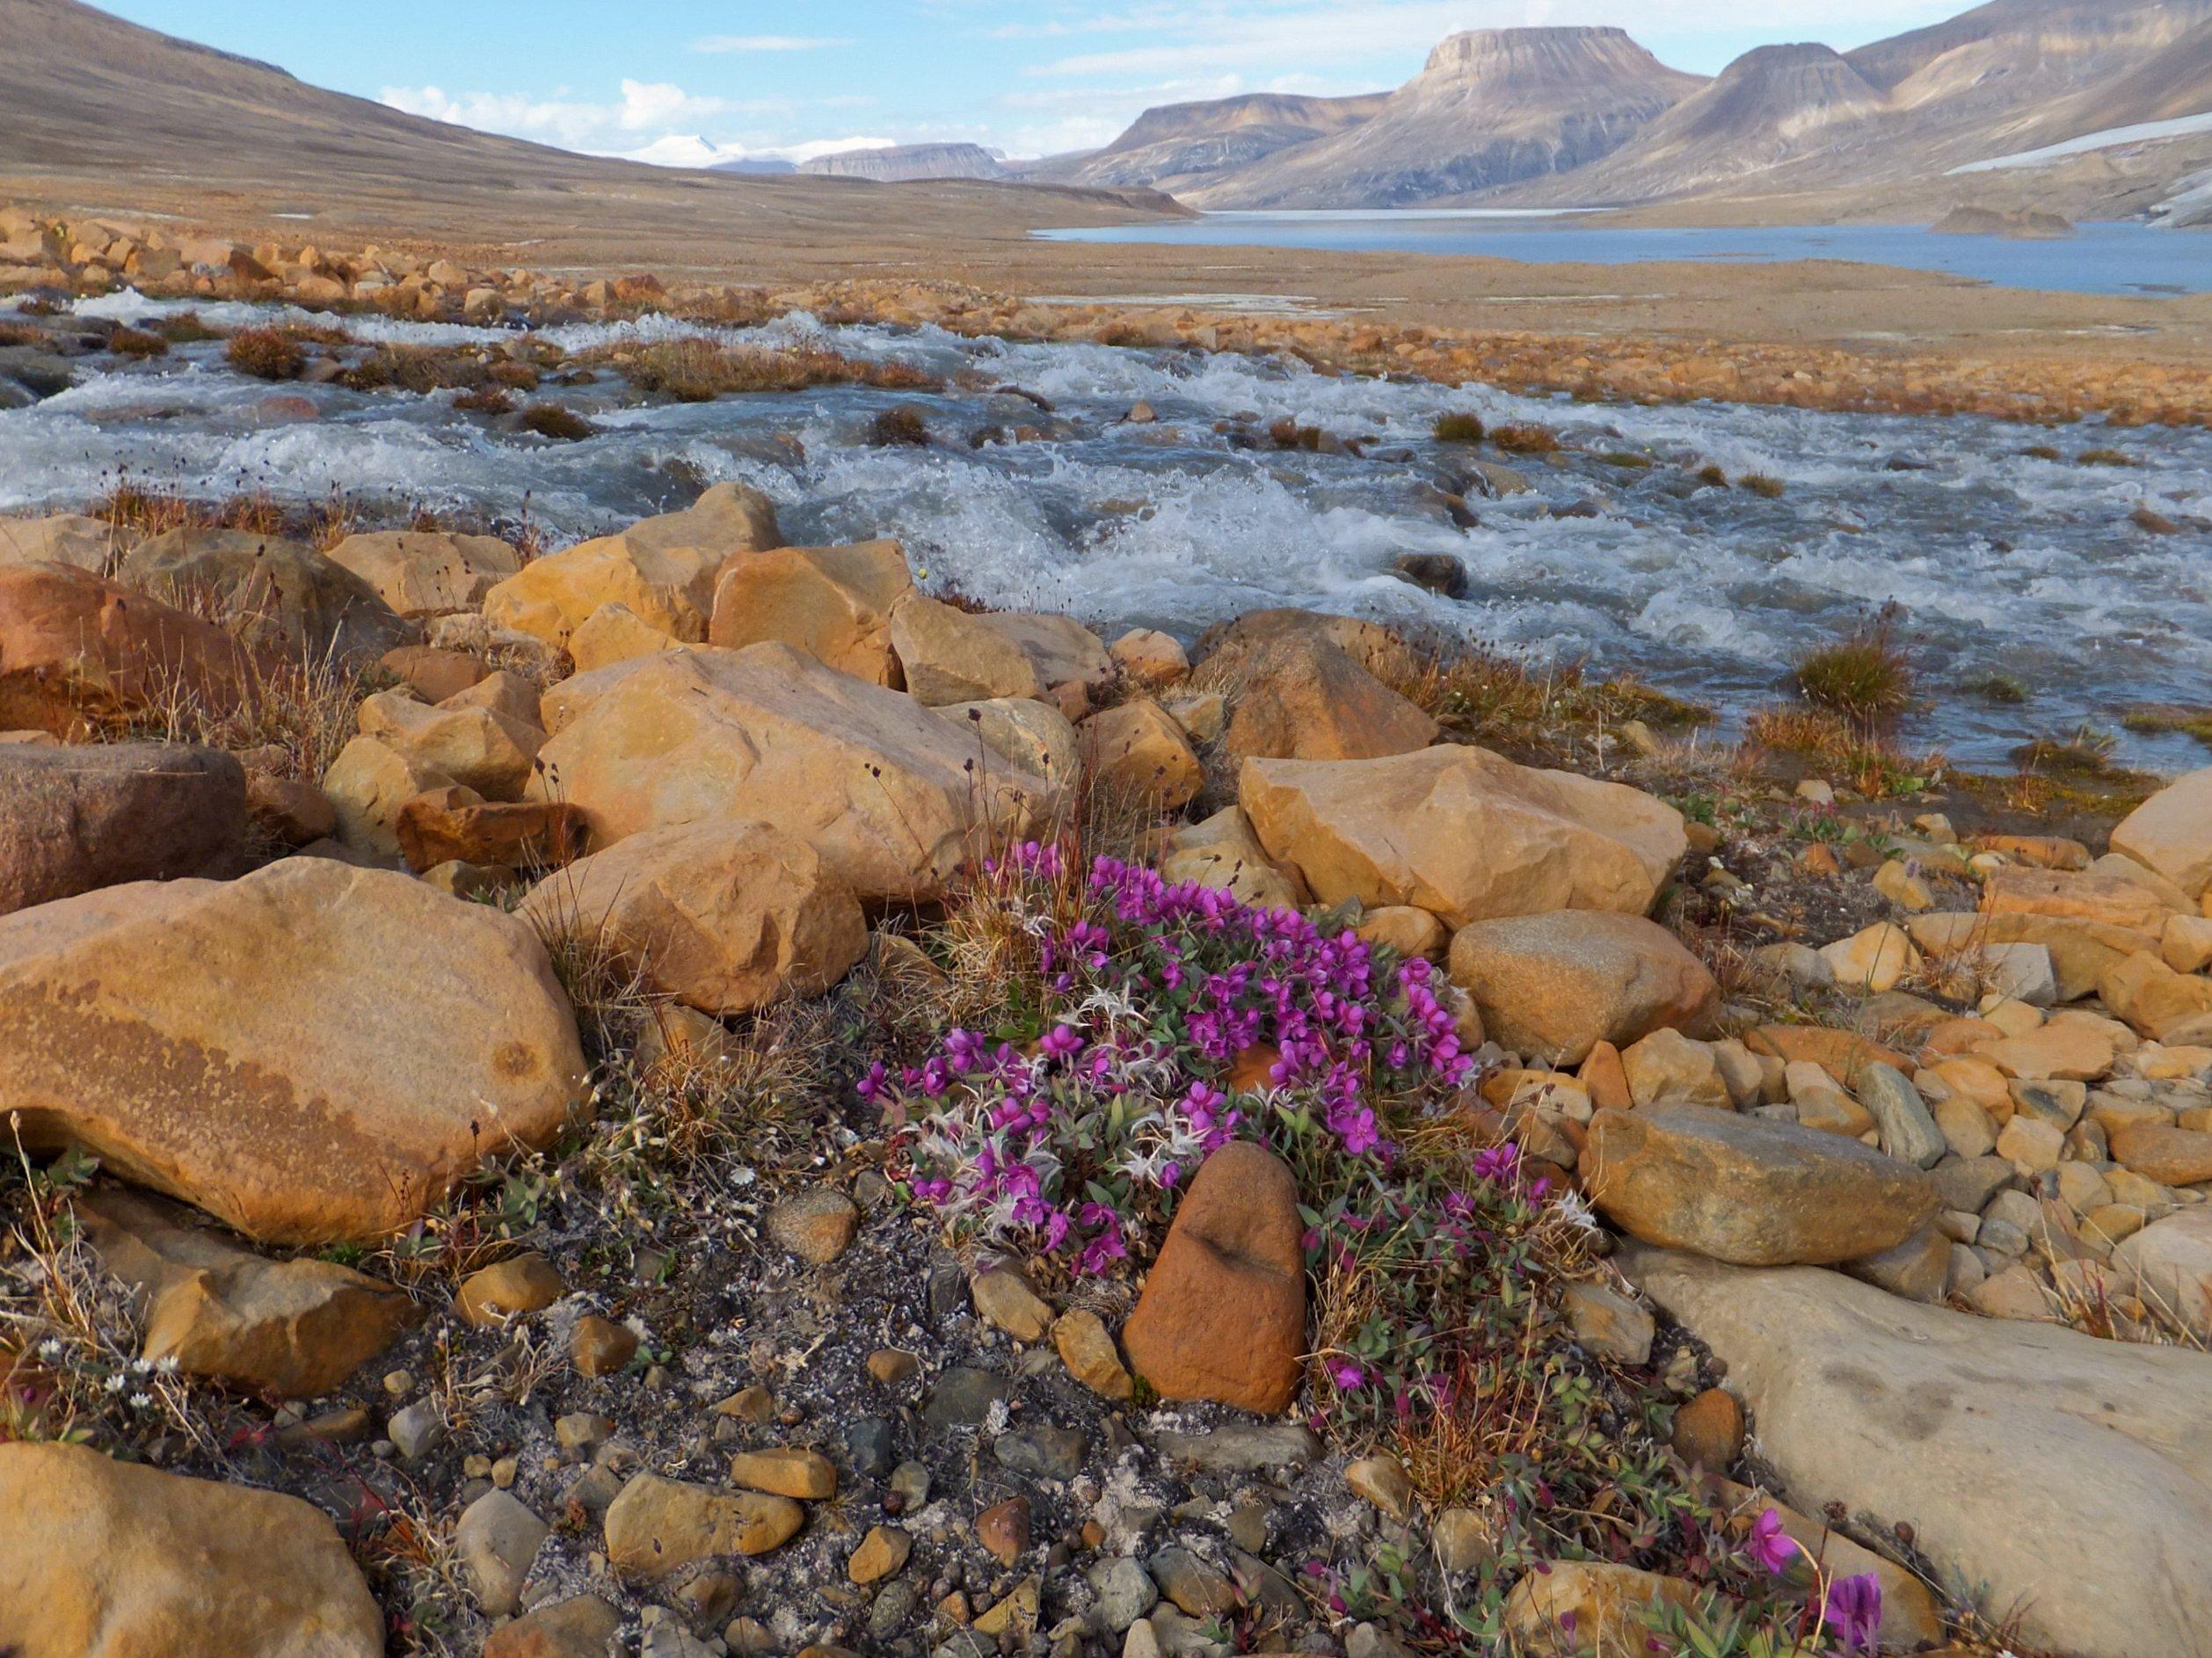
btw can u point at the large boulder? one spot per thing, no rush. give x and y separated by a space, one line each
662 569
77 650
1019 730
1373 646
1556 986
1305 697
2060 1482
291 598
886 791
481 748
1462 833
428 573
1221 851
1747 1190
2172 1262
65 538
2172 833
835 603
101 1559
1136 752
1223 1313
368 785
314 1053
295 1329
76 818
725 916
952 655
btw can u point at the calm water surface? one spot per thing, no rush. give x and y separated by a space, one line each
2098 258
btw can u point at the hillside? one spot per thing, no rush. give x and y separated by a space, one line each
1179 146
1491 107
96 109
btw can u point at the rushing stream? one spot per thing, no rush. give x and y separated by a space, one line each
2057 573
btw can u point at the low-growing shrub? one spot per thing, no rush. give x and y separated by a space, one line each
490 400
899 428
1763 484
1458 428
136 342
552 420
1526 438
2105 457
699 370
265 354
1713 475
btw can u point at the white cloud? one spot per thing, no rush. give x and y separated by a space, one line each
767 43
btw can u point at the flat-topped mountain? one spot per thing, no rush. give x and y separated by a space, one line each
1492 106
905 164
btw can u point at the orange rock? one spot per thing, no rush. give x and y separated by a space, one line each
2073 897
1223 1313
1839 1052
1605 1079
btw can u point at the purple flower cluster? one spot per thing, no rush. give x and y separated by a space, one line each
1156 992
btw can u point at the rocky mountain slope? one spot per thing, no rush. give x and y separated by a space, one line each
1492 106
1179 146
2006 78
906 164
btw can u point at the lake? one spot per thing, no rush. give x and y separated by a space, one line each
2099 259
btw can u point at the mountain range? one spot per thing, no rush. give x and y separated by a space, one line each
1585 117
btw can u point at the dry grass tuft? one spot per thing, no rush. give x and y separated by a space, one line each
1835 747
1492 699
1523 437
699 370
1764 484
1866 677
137 342
265 354
552 420
1458 428
899 428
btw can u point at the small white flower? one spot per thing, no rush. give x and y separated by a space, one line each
1575 1210
167 1365
116 1383
141 1401
51 1347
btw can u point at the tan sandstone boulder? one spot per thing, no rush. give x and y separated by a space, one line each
1744 1190
1137 753
1223 852
952 655
1462 833
1555 985
2064 1479
832 602
77 650
292 599
725 916
481 748
101 1559
1305 697
881 788
2172 833
160 1027
1019 730
664 569
65 538
293 1328
421 573
368 785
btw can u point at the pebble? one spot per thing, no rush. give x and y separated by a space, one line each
1383 1481
1003 1530
1045 1452
816 1226
881 1554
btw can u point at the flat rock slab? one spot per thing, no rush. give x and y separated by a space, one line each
109 1558
314 1053
79 817
2064 1479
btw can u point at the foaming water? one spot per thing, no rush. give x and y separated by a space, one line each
2052 573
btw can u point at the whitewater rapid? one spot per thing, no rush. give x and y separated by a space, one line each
2004 564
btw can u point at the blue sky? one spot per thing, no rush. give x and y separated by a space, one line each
684 81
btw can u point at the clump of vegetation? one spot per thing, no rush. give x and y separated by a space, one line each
2043 452
515 376
1834 745
265 354
902 427
490 400
186 328
1539 712
1765 485
699 370
421 369
2104 457
1713 477
2084 753
1628 460
552 420
137 342
1994 686
2160 721
1866 677
1465 427
2152 521
1522 437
